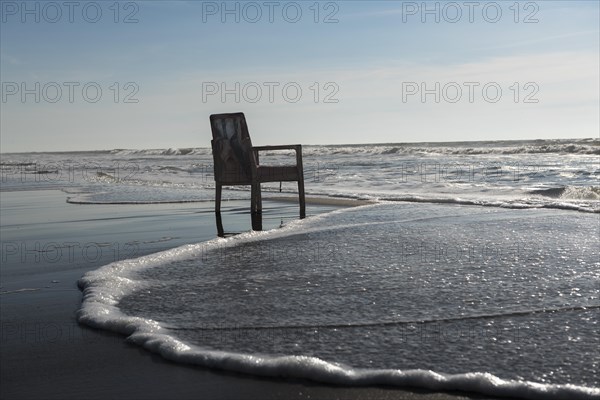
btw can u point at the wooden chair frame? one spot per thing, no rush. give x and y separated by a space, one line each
236 162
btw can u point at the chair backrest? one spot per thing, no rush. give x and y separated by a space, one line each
232 149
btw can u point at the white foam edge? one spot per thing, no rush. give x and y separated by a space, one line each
104 287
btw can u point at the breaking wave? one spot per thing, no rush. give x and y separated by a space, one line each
579 146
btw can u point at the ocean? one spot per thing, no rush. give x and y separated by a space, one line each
476 268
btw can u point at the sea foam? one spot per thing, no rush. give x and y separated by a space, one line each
104 288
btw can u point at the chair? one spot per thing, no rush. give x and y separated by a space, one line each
236 162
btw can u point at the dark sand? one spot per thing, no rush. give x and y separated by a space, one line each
48 244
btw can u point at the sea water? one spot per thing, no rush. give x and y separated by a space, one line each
477 269
517 174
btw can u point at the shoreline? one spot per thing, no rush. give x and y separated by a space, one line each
47 354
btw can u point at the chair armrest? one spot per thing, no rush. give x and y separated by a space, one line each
296 147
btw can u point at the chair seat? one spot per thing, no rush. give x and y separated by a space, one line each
267 173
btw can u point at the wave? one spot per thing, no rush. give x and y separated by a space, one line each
411 149
105 287
587 146
315 369
514 204
527 203
163 152
577 146
570 192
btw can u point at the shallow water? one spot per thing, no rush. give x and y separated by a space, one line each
453 289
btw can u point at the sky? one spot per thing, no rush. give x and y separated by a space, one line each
100 75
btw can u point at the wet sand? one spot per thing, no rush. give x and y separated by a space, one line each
48 244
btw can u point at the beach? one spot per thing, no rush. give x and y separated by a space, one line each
47 354
300 200
413 276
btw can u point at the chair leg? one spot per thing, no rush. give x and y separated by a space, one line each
253 199
302 199
258 199
256 207
256 222
218 191
220 231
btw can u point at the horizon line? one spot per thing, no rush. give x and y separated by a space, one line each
592 139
